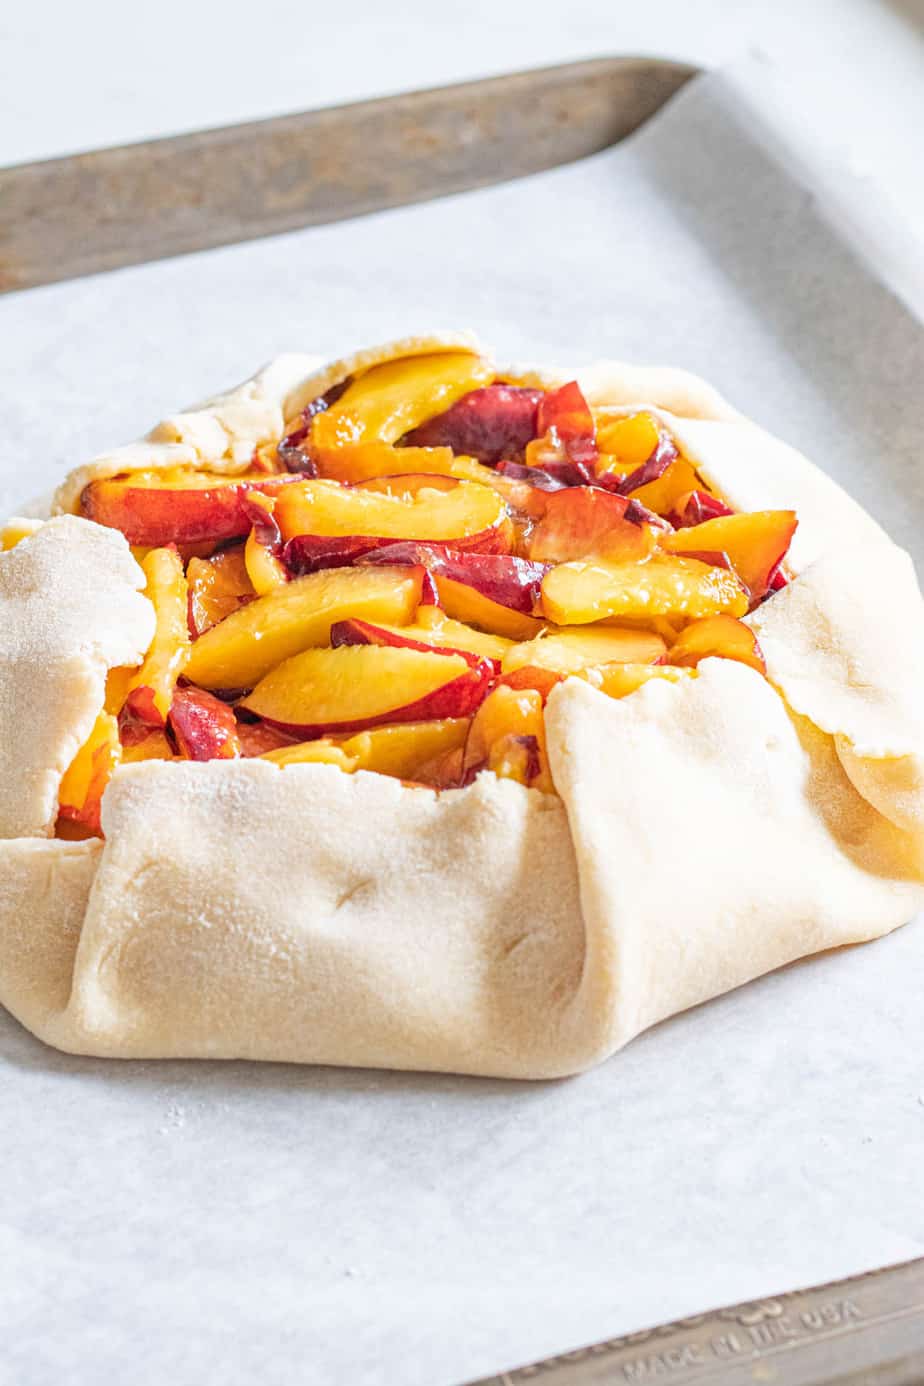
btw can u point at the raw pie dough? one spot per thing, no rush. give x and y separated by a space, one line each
707 831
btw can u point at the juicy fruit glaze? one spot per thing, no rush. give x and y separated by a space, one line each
399 582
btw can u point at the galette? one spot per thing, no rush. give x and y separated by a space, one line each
413 712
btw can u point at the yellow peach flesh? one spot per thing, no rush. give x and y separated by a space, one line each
720 636
495 741
754 542
239 651
432 627
165 661
578 593
618 680
564 650
328 509
389 400
84 781
468 605
331 690
626 442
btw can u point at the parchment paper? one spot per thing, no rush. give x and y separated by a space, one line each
229 1223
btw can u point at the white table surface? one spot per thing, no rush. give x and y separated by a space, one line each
81 76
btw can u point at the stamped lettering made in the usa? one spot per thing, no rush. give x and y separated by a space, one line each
682 1350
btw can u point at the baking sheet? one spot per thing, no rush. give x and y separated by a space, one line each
229 1222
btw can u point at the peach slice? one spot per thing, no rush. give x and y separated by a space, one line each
85 780
694 507
577 593
364 633
360 686
248 643
407 750
367 461
153 745
181 506
488 424
150 691
532 676
433 628
756 543
661 494
507 736
264 567
217 586
464 600
565 421
16 530
388 401
324 751
263 549
584 522
619 680
205 728
566 650
717 635
323 518
494 591
404 749
626 443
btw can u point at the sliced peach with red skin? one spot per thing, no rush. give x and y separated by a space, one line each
489 424
507 736
326 691
722 636
217 586
84 782
584 522
665 585
355 632
263 549
323 517
565 419
496 592
205 728
567 649
694 507
465 601
182 506
388 401
433 627
150 691
756 543
239 651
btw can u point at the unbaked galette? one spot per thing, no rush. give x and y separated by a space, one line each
413 712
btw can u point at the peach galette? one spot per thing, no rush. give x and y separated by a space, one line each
636 685
398 582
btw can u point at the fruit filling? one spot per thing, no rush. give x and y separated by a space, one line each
398 583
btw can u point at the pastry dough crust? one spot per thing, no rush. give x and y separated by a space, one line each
707 831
